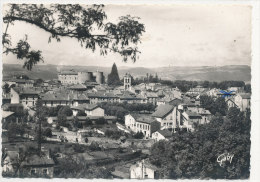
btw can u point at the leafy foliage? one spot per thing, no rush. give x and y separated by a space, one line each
194 155
76 21
214 106
139 135
47 132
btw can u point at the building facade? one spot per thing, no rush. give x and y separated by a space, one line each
73 77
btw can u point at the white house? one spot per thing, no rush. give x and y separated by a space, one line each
161 135
243 101
143 170
89 109
142 123
166 115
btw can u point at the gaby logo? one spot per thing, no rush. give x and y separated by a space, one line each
224 157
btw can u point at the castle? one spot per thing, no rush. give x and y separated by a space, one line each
73 77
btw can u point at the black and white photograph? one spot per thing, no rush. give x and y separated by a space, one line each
127 91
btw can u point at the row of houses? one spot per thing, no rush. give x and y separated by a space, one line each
167 117
29 96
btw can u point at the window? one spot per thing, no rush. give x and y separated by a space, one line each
44 171
33 172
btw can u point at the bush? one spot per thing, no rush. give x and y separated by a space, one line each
47 132
139 135
78 148
86 140
87 123
101 121
94 146
113 134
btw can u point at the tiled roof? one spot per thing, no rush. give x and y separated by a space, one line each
21 80
166 133
163 110
151 94
143 118
26 90
78 86
71 72
245 95
192 115
102 95
83 107
55 97
175 102
5 114
36 160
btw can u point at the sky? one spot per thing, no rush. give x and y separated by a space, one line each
176 35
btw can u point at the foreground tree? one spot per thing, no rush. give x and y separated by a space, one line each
196 154
80 22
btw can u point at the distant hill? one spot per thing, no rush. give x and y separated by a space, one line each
221 73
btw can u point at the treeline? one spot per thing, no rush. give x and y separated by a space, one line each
121 109
184 85
193 155
215 106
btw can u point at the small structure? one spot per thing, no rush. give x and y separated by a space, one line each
162 135
142 123
26 96
144 170
28 166
165 115
243 101
89 109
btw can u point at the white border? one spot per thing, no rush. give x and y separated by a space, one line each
255 68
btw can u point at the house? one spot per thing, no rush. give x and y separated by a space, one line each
197 90
64 97
30 166
7 117
10 159
6 98
26 96
236 89
55 98
21 82
231 103
161 135
188 119
142 123
99 97
89 109
165 115
204 113
122 171
213 92
243 101
151 97
144 170
78 87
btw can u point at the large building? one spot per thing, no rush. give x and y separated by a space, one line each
73 77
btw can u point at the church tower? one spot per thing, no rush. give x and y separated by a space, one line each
127 81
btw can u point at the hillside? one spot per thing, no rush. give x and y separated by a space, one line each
209 73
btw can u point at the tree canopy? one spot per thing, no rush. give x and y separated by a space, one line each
86 23
194 154
113 77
